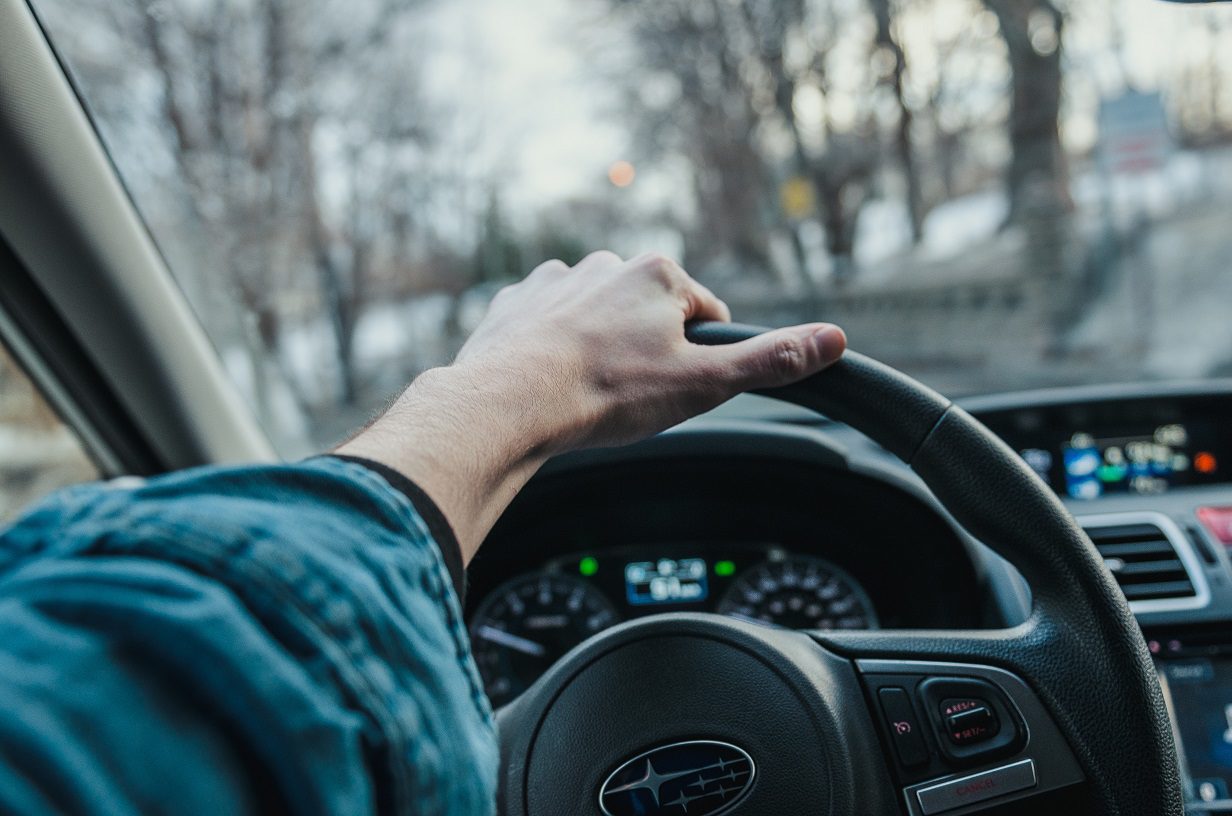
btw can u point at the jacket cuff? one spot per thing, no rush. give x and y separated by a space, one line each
438 525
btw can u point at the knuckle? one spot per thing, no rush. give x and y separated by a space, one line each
600 256
554 266
660 268
787 357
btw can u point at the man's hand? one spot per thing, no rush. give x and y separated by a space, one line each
600 351
572 358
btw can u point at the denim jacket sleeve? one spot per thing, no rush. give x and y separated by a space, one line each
237 640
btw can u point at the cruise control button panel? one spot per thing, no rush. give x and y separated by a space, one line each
985 737
940 724
973 719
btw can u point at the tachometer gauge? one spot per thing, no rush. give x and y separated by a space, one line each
799 592
527 623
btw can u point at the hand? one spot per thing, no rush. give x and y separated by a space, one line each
599 350
572 358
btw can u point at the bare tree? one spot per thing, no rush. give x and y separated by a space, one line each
885 39
247 91
738 71
1037 179
710 119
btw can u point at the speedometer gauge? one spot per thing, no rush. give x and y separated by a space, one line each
526 624
800 592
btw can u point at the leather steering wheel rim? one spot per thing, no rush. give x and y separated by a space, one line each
1081 651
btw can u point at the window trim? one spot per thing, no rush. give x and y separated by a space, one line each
70 224
61 372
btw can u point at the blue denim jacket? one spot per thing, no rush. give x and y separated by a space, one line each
237 640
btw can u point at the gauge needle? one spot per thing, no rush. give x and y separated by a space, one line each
520 644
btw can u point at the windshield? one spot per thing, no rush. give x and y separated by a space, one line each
988 194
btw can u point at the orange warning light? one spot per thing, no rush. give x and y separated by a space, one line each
1205 462
621 173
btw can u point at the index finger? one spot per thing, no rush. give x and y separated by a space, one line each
702 304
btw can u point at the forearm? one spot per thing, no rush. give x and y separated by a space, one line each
469 437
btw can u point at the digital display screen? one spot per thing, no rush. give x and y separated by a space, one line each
1086 466
666 581
1143 464
1199 696
1143 445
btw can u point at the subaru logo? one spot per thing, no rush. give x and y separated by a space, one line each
697 778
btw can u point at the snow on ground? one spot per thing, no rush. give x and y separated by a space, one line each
961 223
1184 178
407 334
883 237
1171 302
1191 300
883 230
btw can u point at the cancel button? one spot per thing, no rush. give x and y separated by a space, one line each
979 787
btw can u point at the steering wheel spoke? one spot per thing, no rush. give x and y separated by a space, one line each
959 734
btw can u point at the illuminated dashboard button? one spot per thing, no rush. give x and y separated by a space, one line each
1218 522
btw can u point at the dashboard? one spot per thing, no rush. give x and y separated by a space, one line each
787 519
772 529
527 623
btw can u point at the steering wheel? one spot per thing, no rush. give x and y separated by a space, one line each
697 714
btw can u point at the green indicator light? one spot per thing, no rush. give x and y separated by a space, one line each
588 565
1111 473
724 568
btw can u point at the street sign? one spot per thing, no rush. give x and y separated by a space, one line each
1133 133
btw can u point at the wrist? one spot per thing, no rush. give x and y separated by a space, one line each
498 408
533 407
470 436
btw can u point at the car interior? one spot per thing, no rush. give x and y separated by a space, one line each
853 595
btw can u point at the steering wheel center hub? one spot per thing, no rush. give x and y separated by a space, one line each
690 715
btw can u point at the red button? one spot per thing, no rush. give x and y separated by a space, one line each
1218 522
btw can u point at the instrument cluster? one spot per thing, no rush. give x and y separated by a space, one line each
524 625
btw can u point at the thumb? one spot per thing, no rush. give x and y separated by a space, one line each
782 356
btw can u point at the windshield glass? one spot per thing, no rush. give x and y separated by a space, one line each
988 194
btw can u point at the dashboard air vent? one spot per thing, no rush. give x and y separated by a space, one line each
1143 559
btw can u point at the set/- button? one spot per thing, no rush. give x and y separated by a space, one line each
969 720
904 726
